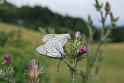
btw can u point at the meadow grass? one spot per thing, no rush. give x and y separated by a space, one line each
112 71
27 34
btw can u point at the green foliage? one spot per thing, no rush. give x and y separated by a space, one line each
35 17
12 38
19 50
3 38
117 35
7 73
20 57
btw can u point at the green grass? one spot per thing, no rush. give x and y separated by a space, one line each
26 33
112 71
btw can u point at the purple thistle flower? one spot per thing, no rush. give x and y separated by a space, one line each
33 69
7 58
84 50
78 34
33 65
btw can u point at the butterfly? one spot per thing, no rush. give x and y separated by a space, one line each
53 48
62 38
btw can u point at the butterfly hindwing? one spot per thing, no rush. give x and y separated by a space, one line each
41 50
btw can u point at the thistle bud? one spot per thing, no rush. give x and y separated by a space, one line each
33 69
78 34
107 7
113 19
98 6
84 50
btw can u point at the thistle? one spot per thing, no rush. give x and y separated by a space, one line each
75 53
79 47
84 49
7 59
6 70
33 72
95 56
77 34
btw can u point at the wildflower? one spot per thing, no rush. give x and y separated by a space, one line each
7 58
78 34
83 50
7 70
33 69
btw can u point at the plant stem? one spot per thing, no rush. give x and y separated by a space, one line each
103 20
74 71
73 77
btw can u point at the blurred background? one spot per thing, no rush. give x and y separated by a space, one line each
23 22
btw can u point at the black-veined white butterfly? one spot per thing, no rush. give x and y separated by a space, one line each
53 48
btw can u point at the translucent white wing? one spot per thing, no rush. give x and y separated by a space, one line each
52 48
41 49
48 37
61 40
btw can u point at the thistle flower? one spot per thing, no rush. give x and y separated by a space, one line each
84 50
7 58
7 70
78 34
33 70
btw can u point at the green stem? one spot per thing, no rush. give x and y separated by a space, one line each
103 20
91 62
74 71
73 77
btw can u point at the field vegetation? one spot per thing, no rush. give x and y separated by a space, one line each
112 70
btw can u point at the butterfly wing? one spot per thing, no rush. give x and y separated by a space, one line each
41 50
54 45
61 40
48 37
52 48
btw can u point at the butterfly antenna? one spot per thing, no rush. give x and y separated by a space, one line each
58 65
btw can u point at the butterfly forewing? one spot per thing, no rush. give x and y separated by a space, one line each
48 37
